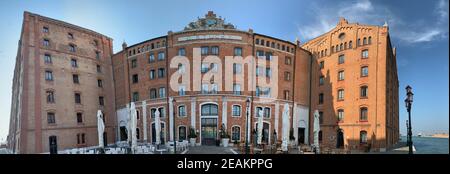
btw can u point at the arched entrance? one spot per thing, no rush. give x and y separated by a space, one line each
53 145
340 139
209 115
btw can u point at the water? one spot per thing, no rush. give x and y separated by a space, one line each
429 145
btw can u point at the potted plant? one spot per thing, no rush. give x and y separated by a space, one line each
225 136
192 136
292 137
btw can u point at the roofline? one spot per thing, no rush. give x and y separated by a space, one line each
257 34
160 37
66 23
352 24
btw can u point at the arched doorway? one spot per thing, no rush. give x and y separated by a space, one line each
123 131
209 116
53 145
340 139
265 133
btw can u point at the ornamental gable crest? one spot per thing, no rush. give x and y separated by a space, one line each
210 21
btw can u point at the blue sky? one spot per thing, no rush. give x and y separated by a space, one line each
419 30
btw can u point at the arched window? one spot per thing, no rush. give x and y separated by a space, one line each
341 47
182 111
236 133
320 136
363 114
370 40
209 109
337 48
350 44
345 45
365 54
332 49
358 42
363 137
365 41
257 41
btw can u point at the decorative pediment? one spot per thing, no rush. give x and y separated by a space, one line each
210 21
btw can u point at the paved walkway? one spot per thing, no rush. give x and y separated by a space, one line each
3 151
210 150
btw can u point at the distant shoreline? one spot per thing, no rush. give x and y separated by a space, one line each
437 136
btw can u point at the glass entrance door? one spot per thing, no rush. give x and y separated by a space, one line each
209 131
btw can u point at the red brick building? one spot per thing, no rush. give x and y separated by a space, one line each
305 77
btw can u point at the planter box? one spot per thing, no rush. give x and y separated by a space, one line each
225 142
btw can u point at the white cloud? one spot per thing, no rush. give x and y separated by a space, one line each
365 12
426 36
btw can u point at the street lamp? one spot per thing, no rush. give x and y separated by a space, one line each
408 103
246 126
174 134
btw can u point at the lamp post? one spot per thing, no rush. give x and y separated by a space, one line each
408 103
246 126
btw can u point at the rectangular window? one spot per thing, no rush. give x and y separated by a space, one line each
363 114
77 98
76 80
162 92
100 83
152 74
182 111
321 98
181 90
288 61
260 54
341 59
134 63
321 64
364 71
161 72
236 111
205 88
214 88
135 96
268 72
101 101
50 97
365 54
70 35
46 42
51 118
151 58
237 68
340 94
237 51
341 75
321 80
287 76
74 63
364 91
182 52
153 93
47 58
321 117
215 50
72 48
135 78
45 29
161 56
268 56
286 95
237 89
266 112
97 54
205 67
49 75
79 117
99 69
204 50
340 116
